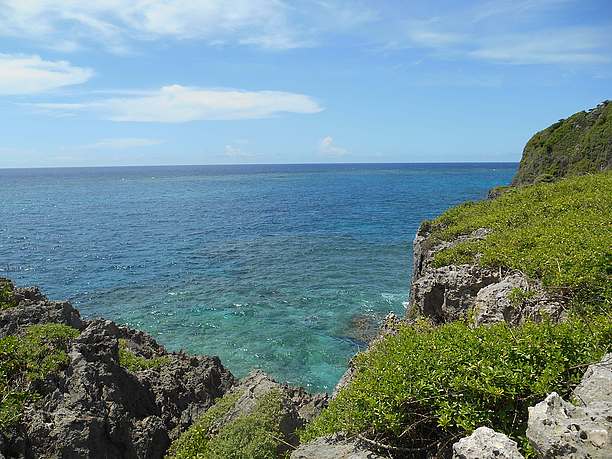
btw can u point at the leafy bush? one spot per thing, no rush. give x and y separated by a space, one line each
252 436
559 233
133 362
426 386
7 300
27 359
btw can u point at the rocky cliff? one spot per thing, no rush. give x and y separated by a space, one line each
577 145
75 388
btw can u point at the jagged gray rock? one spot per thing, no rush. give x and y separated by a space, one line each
454 292
557 428
34 308
334 447
596 384
446 293
94 407
495 302
485 443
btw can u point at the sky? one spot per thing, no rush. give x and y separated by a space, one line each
158 82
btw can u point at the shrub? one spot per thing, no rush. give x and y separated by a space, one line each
133 362
556 232
7 299
256 435
427 386
27 359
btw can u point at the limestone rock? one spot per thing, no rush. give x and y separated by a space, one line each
448 293
94 407
495 302
596 384
34 308
485 443
334 447
558 429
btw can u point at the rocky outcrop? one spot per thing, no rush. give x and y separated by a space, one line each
485 443
298 406
515 299
456 292
35 308
334 447
445 293
558 429
95 407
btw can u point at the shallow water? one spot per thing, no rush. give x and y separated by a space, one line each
277 267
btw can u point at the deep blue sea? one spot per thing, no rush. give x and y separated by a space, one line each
280 267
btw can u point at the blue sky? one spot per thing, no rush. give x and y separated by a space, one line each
139 82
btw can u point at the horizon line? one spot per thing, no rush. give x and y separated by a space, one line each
257 164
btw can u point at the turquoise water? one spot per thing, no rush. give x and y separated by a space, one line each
277 267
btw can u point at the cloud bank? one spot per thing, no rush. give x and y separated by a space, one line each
21 74
180 104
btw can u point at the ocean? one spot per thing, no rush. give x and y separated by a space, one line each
283 267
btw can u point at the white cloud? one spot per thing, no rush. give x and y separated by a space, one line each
580 46
327 147
179 104
21 74
113 23
121 143
508 32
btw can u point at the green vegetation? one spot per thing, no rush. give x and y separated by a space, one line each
133 362
27 359
427 386
557 232
7 299
574 146
255 435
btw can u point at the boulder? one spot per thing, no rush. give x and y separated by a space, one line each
455 292
334 447
596 384
557 428
485 443
446 293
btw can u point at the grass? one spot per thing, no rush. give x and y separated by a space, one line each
7 299
557 232
26 359
427 386
255 435
134 363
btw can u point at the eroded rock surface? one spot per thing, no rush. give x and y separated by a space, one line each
485 443
95 408
515 299
558 429
456 292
